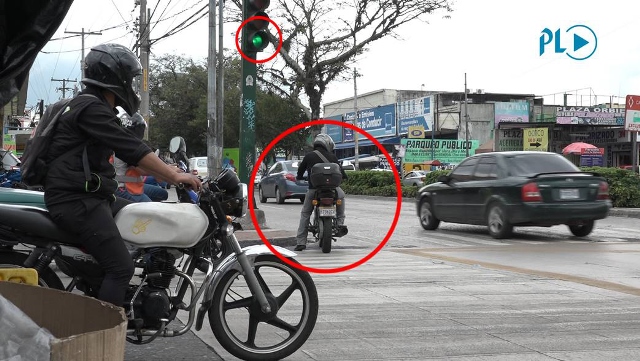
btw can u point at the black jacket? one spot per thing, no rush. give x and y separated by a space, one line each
90 120
310 159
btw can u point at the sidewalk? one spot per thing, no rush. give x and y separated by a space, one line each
625 212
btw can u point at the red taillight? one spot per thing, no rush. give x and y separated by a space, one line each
326 201
290 177
603 191
531 193
194 172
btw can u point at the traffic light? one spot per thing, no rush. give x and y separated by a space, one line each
255 35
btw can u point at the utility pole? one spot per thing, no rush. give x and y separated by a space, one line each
433 129
83 33
64 87
214 138
355 120
145 49
220 87
466 116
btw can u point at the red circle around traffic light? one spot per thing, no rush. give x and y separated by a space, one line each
299 265
247 58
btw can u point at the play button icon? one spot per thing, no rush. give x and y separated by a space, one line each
585 42
579 42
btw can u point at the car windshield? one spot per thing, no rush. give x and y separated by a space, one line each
202 162
529 164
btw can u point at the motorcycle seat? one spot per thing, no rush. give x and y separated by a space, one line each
33 221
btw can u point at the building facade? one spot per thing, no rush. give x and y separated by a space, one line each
398 119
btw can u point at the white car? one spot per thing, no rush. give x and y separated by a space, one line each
198 166
414 178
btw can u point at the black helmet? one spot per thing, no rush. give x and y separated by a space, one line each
325 141
113 67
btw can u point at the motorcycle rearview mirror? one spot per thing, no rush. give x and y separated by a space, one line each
443 179
177 144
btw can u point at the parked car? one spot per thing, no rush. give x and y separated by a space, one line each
506 189
198 166
280 183
414 178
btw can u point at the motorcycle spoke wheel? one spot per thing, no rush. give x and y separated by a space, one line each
249 334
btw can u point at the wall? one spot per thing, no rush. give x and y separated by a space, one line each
481 119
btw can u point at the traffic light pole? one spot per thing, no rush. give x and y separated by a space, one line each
248 123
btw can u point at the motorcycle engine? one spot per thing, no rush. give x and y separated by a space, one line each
153 303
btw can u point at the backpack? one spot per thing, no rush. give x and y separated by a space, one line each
33 167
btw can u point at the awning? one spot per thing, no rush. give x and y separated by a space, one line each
367 142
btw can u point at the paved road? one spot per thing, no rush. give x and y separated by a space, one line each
444 296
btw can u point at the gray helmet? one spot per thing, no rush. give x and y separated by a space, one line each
325 141
114 67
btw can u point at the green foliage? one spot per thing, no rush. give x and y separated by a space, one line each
375 184
432 177
178 106
624 185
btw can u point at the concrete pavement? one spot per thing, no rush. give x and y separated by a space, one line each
406 305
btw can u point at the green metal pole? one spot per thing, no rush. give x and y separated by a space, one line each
248 123
247 111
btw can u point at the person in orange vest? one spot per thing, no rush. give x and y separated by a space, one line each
131 184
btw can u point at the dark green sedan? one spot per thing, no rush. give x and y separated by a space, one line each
506 189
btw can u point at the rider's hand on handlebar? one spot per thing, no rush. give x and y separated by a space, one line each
188 180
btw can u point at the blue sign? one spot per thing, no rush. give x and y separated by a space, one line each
415 112
334 131
378 122
585 42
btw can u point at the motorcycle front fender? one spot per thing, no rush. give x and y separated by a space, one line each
230 264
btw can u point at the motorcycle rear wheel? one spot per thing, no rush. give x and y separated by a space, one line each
245 331
46 278
325 225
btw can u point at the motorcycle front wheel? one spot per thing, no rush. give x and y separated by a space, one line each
249 334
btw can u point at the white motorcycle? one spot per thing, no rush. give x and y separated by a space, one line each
243 291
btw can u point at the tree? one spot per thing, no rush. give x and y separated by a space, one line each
178 104
322 38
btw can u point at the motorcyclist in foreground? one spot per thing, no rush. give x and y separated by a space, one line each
82 207
324 144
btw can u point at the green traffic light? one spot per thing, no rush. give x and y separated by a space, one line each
257 41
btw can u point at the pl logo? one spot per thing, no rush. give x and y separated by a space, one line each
585 41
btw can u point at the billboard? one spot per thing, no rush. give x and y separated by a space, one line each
415 112
378 122
511 112
590 115
334 131
445 150
632 110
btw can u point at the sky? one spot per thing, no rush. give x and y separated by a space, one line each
495 42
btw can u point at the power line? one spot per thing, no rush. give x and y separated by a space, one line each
178 28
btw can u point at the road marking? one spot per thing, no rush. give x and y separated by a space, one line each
611 286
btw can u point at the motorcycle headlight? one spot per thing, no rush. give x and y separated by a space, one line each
236 204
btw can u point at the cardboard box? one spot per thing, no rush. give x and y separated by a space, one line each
85 328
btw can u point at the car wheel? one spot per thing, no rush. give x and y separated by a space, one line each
263 199
279 197
583 229
302 200
428 220
497 222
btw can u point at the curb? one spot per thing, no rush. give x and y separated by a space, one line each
625 212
